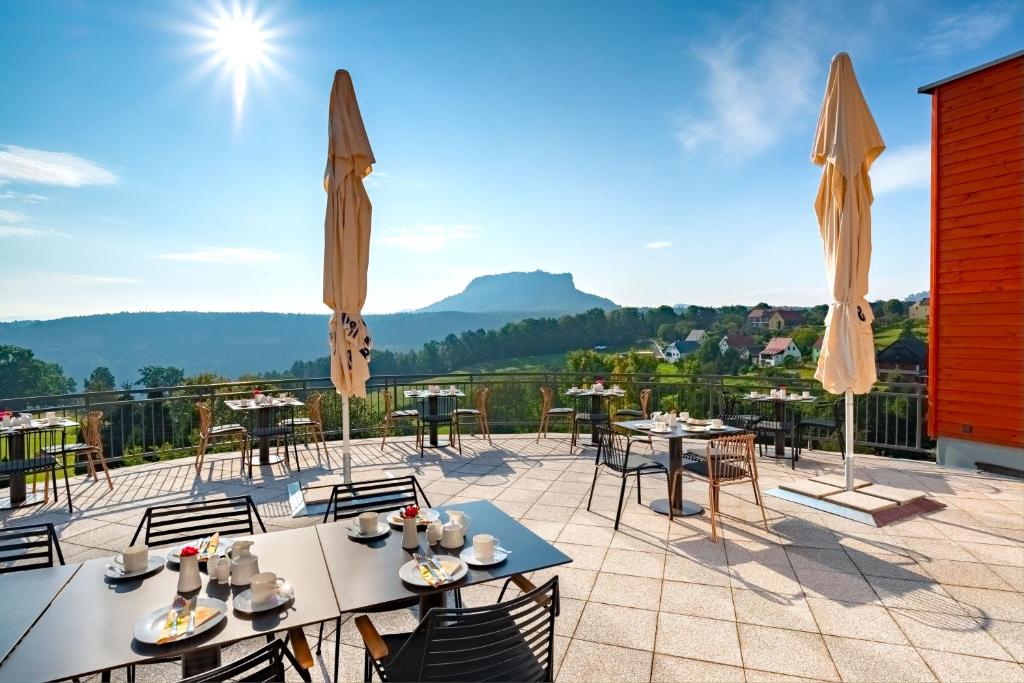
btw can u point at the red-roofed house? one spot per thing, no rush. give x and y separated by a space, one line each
740 343
774 318
816 350
777 351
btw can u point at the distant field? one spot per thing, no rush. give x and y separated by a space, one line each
887 335
547 362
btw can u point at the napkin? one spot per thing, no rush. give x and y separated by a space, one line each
203 614
448 565
211 548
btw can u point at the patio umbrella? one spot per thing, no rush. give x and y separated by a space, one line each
845 145
347 248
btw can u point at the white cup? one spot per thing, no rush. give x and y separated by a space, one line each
264 586
452 389
223 570
753 393
806 394
368 522
684 417
716 423
484 546
135 558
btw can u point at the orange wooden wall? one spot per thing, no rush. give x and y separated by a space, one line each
976 349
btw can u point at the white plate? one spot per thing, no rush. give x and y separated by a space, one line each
356 535
410 572
469 557
116 573
429 514
644 425
660 430
223 545
147 629
243 601
695 428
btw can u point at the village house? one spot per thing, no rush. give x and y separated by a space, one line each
678 349
908 355
777 351
774 318
742 344
918 310
696 336
816 349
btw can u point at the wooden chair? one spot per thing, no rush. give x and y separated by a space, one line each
548 411
312 422
615 460
91 429
479 412
634 413
167 525
508 641
28 547
208 432
728 460
394 417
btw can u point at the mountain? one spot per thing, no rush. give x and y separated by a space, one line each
917 296
539 293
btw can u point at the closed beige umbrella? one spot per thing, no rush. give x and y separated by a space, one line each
347 247
845 145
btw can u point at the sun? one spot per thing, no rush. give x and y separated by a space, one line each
239 45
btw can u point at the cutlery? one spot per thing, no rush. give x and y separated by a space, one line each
192 604
425 564
176 607
433 561
503 550
205 541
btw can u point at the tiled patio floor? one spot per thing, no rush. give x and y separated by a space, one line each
815 597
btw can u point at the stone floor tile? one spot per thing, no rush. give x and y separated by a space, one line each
837 586
787 652
948 633
1009 634
569 613
628 591
670 669
583 556
971 574
633 539
958 667
751 576
852 620
710 640
1007 555
588 661
821 559
697 600
770 609
633 563
572 582
693 571
863 660
549 531
586 535
989 604
762 553
546 513
615 625
915 595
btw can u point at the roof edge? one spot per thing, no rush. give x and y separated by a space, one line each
927 89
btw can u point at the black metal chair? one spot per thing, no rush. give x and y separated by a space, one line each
183 522
596 420
613 457
507 641
823 425
776 418
264 665
444 415
730 413
31 546
378 495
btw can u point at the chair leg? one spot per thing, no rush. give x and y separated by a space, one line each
384 432
67 484
713 504
320 639
638 478
592 485
337 647
106 472
622 495
760 502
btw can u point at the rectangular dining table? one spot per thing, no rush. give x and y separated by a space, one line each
365 573
675 438
25 595
263 429
88 627
16 438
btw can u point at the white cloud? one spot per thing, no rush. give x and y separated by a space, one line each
22 231
99 280
902 168
968 30
11 216
25 197
232 255
426 238
757 78
657 245
379 178
23 165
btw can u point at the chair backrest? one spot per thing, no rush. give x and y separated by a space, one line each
28 547
378 495
645 402
265 664
314 408
389 400
94 429
547 399
611 452
481 399
839 411
183 522
731 459
509 641
205 418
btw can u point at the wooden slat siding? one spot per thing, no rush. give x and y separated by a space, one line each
976 349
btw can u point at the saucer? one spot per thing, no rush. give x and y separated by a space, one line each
426 516
243 601
356 535
469 557
115 573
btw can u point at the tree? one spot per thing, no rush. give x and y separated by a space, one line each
160 376
893 309
588 362
100 379
804 337
22 374
666 332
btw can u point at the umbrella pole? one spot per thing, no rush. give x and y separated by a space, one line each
848 429
346 455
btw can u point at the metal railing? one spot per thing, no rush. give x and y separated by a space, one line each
161 422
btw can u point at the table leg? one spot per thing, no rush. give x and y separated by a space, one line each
684 508
780 436
200 660
432 410
431 600
16 494
595 408
263 419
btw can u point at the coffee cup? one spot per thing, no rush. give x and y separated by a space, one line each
368 522
484 546
716 423
264 586
134 558
684 416
806 394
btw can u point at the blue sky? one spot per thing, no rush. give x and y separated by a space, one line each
658 151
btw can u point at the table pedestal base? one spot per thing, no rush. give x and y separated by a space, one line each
30 499
200 661
687 509
270 459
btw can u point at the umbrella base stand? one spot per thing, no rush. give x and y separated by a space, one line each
893 512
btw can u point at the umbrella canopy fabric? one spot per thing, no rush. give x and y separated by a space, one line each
845 145
347 238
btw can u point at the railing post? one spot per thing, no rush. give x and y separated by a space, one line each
917 428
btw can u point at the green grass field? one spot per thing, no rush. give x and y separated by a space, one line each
887 335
